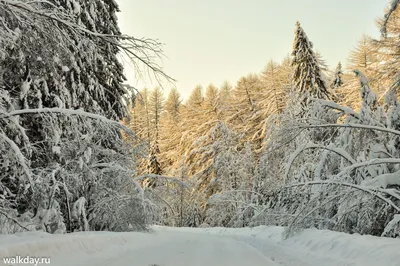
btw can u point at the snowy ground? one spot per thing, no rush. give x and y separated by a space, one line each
210 246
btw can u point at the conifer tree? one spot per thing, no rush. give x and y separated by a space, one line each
386 47
62 93
307 75
156 107
192 122
245 114
171 133
225 92
153 164
337 80
363 58
173 103
196 97
225 96
140 115
211 99
273 94
285 73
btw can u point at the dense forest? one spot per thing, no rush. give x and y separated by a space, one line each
298 145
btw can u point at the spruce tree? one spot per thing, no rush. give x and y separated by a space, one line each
61 95
307 75
337 80
153 165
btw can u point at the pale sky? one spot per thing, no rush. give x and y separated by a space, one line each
209 41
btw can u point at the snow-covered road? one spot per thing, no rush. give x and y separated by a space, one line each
211 246
178 249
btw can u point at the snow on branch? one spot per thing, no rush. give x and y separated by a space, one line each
2 212
168 178
361 188
144 50
79 112
294 155
344 109
369 163
357 126
394 4
20 157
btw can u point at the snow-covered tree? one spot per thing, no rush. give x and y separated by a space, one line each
245 114
362 58
339 183
66 165
307 75
337 80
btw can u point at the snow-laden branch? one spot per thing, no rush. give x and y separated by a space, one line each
369 163
79 112
365 189
139 49
241 191
13 219
294 155
357 126
20 157
302 218
112 166
393 6
168 178
344 109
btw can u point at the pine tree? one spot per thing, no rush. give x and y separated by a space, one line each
307 76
